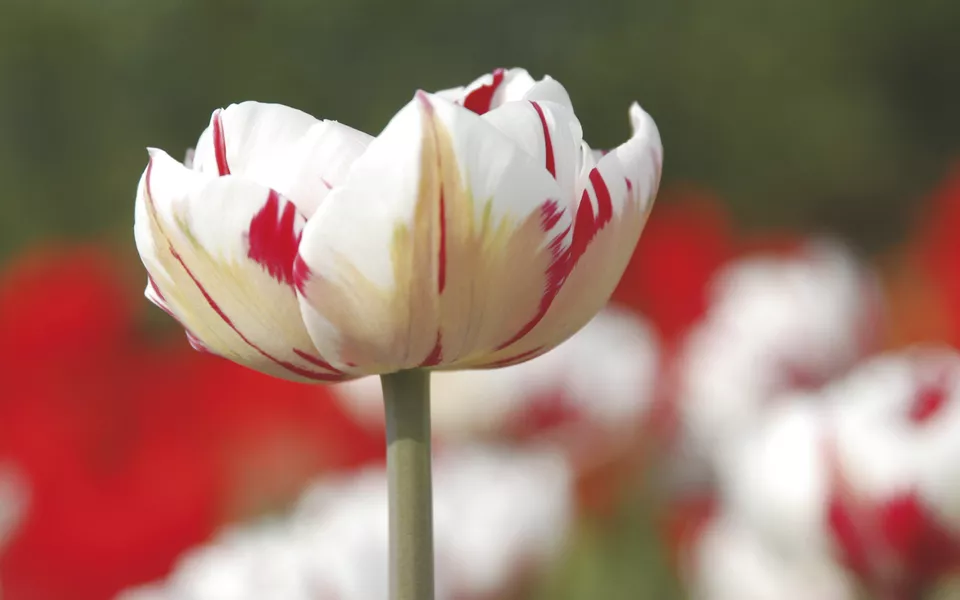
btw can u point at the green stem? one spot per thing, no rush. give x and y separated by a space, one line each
406 398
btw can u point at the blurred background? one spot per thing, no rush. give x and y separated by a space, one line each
770 408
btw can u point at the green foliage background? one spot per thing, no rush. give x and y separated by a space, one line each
821 114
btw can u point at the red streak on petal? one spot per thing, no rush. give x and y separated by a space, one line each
220 144
930 398
587 225
317 361
301 274
216 308
435 356
480 99
841 522
442 258
557 271
156 288
506 362
274 238
550 215
604 201
196 343
326 183
585 229
219 312
928 403
548 145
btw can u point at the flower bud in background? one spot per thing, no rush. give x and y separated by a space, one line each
477 229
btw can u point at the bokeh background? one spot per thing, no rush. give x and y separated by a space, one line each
788 128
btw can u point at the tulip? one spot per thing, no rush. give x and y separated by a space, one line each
477 230
313 251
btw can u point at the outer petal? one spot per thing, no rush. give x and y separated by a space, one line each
440 246
615 199
495 89
281 148
219 253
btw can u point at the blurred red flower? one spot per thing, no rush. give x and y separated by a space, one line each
135 450
688 237
938 247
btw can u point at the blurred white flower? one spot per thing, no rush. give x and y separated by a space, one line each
606 374
775 324
897 428
866 471
496 512
731 562
776 479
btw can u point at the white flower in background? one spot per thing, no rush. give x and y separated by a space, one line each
774 324
476 230
897 426
865 472
896 451
496 511
776 479
606 374
732 562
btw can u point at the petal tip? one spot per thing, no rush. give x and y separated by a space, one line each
425 100
644 126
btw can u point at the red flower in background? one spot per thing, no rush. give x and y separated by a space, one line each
135 450
688 237
939 250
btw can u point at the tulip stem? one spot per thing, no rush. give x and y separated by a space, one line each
406 398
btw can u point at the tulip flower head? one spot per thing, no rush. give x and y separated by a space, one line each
476 230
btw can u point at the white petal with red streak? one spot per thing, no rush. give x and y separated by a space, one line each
380 195
279 147
194 236
510 85
550 133
614 199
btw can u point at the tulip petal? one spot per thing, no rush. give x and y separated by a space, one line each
281 148
551 134
441 245
615 199
495 89
219 252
